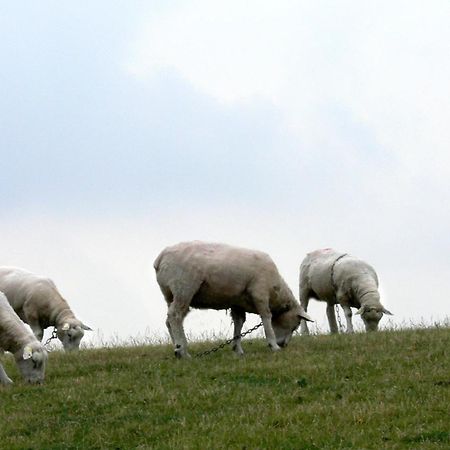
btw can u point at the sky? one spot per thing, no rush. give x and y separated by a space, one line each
279 126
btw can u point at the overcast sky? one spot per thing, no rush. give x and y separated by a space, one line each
281 126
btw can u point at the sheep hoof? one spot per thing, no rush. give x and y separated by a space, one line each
180 352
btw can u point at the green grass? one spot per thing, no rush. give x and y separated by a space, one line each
366 391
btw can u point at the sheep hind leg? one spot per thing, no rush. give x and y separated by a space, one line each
176 313
169 299
169 329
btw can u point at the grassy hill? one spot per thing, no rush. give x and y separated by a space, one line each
366 391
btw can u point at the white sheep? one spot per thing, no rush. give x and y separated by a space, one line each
29 353
217 276
339 278
38 303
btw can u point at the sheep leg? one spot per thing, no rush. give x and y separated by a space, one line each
169 298
176 313
260 297
238 316
348 318
266 318
4 379
263 310
332 318
37 331
304 302
169 329
32 320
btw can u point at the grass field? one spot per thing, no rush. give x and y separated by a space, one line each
365 391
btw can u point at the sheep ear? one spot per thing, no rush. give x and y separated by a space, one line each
85 327
360 310
65 327
27 352
385 311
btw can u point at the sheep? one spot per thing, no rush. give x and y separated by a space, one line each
339 278
29 353
38 303
218 276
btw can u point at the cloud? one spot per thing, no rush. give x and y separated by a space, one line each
386 65
147 148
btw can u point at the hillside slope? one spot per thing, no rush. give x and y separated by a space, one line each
367 391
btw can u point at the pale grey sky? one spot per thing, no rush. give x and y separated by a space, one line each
278 126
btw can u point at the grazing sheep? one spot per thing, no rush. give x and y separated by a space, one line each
38 303
30 355
338 278
217 276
